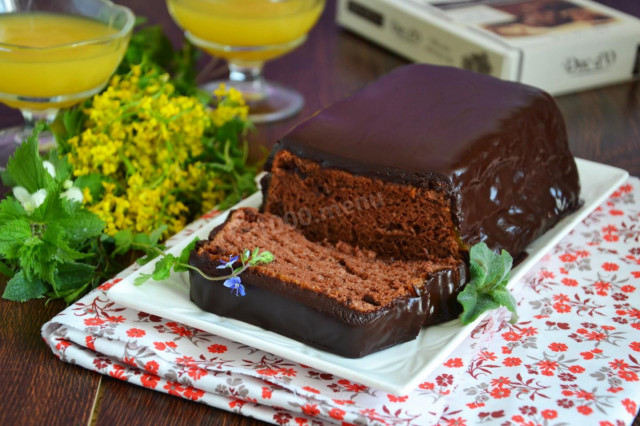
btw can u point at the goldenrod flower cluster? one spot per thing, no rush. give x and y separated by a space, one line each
148 145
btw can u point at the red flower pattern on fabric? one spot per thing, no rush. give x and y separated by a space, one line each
136 332
217 349
579 322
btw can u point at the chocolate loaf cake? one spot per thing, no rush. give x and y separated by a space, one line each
370 207
451 157
339 298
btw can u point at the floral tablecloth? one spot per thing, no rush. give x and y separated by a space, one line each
574 356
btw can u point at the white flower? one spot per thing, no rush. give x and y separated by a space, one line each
29 202
73 194
50 168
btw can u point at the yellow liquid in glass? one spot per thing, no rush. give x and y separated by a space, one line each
247 24
42 61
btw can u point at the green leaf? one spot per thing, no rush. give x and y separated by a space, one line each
6 270
72 122
71 276
147 258
142 239
487 288
476 307
21 289
55 237
73 295
487 267
25 166
143 242
261 258
141 279
51 210
13 235
150 43
123 240
184 256
154 237
82 225
92 181
37 259
163 268
10 208
183 70
265 257
503 297
64 170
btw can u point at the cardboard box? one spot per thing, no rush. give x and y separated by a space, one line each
558 45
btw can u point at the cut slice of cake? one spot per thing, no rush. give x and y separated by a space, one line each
338 297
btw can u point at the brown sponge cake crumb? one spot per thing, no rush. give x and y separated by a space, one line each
356 278
382 216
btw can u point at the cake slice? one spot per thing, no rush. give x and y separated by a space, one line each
336 297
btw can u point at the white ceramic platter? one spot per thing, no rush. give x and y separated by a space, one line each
396 370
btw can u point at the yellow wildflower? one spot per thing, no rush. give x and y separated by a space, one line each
146 141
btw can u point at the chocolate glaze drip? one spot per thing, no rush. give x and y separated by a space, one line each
499 149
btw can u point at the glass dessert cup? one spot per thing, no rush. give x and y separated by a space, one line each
55 54
247 33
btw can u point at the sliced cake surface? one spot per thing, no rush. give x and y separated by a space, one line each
367 303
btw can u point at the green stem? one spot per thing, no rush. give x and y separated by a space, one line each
131 170
210 278
6 270
146 247
235 273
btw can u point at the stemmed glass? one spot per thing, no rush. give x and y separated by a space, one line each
247 33
56 53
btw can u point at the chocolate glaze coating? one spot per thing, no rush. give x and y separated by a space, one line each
499 149
318 320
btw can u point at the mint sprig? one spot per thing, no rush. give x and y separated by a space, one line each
25 167
169 262
44 232
487 288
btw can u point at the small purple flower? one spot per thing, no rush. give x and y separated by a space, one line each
228 264
234 283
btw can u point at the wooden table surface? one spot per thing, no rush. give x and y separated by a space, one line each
603 125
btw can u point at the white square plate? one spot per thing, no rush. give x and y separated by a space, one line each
398 369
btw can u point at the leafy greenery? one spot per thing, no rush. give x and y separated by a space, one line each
45 240
170 262
132 165
487 289
150 44
58 249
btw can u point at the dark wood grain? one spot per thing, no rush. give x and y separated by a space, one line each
603 125
36 387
